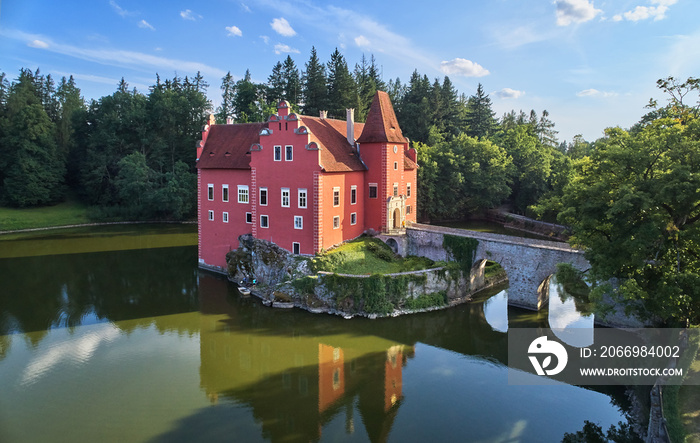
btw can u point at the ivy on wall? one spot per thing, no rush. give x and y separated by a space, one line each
462 250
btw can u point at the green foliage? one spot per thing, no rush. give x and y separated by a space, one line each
480 119
593 433
366 256
461 177
633 205
462 250
424 301
376 294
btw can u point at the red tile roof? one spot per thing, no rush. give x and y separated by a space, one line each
382 125
409 164
228 146
336 153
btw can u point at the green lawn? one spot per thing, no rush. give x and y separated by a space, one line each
367 256
70 212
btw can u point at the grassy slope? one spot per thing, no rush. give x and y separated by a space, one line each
689 403
70 212
356 258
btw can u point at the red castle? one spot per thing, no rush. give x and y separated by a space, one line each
304 183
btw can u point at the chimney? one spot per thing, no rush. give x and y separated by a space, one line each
229 120
323 114
350 120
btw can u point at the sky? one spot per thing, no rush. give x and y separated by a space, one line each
591 64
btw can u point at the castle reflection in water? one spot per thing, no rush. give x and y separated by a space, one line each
297 383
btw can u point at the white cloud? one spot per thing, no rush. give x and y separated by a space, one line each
575 11
509 93
362 41
119 58
145 25
646 12
595 93
281 48
245 7
234 31
118 9
282 27
38 44
460 66
187 14
265 39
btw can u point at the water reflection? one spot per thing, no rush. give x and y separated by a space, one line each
177 355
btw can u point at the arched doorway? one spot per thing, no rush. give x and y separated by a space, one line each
397 218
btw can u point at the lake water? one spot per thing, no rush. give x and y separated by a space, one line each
113 334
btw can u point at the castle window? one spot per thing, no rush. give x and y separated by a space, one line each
353 195
396 189
288 153
296 248
408 209
373 190
336 196
336 222
396 166
264 222
353 218
278 153
225 217
210 191
224 193
298 222
263 196
408 189
211 215
285 197
249 217
242 193
302 198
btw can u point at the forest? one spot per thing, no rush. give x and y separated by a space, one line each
631 198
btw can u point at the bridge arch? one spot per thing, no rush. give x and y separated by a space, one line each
528 263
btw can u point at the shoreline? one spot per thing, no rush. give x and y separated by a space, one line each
86 225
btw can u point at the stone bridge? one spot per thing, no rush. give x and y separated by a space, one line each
528 262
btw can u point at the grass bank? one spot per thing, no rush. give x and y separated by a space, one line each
367 256
70 212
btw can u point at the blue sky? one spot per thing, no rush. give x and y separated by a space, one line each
591 63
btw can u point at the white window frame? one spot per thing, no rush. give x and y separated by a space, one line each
353 194
249 216
336 196
336 222
396 189
224 193
267 197
224 217
277 153
285 196
210 191
288 149
243 191
408 209
297 246
211 215
266 220
302 197
408 189
298 222
353 218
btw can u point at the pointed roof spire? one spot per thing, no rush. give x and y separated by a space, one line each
381 125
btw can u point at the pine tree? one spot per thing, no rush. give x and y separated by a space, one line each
291 82
228 95
275 84
341 86
480 117
314 90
